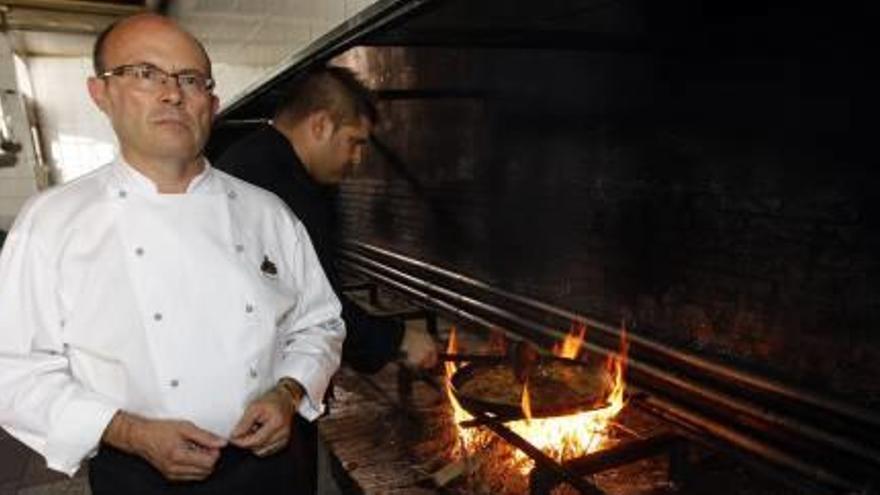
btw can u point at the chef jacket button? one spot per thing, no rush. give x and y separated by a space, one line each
231 194
239 248
139 251
122 193
174 383
248 308
61 323
157 316
252 372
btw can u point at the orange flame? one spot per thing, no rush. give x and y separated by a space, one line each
526 402
451 348
571 344
468 438
561 437
566 437
616 368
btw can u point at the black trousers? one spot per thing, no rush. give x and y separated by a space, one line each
237 472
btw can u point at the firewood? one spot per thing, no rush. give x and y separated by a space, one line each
449 473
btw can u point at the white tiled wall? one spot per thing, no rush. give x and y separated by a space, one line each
232 79
76 136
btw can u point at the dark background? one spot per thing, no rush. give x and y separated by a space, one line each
703 169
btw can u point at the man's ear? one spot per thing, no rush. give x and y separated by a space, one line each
98 92
320 125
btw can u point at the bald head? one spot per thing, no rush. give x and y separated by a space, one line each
138 25
160 124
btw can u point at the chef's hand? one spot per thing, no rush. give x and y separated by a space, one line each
418 348
180 450
265 426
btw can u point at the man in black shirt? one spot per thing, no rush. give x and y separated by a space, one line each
316 138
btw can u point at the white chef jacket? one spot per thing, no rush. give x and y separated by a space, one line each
184 306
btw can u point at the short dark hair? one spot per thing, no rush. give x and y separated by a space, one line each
334 89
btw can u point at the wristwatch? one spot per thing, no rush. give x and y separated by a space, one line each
293 388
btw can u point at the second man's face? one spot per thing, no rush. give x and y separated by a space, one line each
342 151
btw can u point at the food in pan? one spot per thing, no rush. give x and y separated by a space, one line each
552 384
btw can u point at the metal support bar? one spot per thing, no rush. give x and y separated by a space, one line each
779 423
776 424
453 311
624 453
620 455
704 366
371 288
708 428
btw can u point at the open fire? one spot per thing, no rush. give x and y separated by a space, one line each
560 437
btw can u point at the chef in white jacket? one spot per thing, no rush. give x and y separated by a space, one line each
157 312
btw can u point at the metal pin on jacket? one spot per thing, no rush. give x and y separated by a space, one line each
268 268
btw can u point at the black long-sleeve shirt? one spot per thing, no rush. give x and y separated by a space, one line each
267 159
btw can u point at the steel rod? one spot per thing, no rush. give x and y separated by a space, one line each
737 406
673 412
425 299
762 383
624 453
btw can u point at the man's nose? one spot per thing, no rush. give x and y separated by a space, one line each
171 92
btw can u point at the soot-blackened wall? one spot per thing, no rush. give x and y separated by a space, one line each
715 183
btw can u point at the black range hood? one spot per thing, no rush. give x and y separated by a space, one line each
517 24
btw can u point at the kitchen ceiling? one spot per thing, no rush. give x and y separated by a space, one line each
245 32
62 28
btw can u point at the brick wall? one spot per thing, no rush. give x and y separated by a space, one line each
715 185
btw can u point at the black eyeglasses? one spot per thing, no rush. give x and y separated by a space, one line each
148 77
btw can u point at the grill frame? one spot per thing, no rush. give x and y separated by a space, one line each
792 433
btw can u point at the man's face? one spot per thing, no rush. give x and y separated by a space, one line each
159 125
340 151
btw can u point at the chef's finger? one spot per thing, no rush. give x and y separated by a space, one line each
203 438
249 422
256 439
197 458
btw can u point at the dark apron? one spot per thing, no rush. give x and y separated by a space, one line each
237 472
